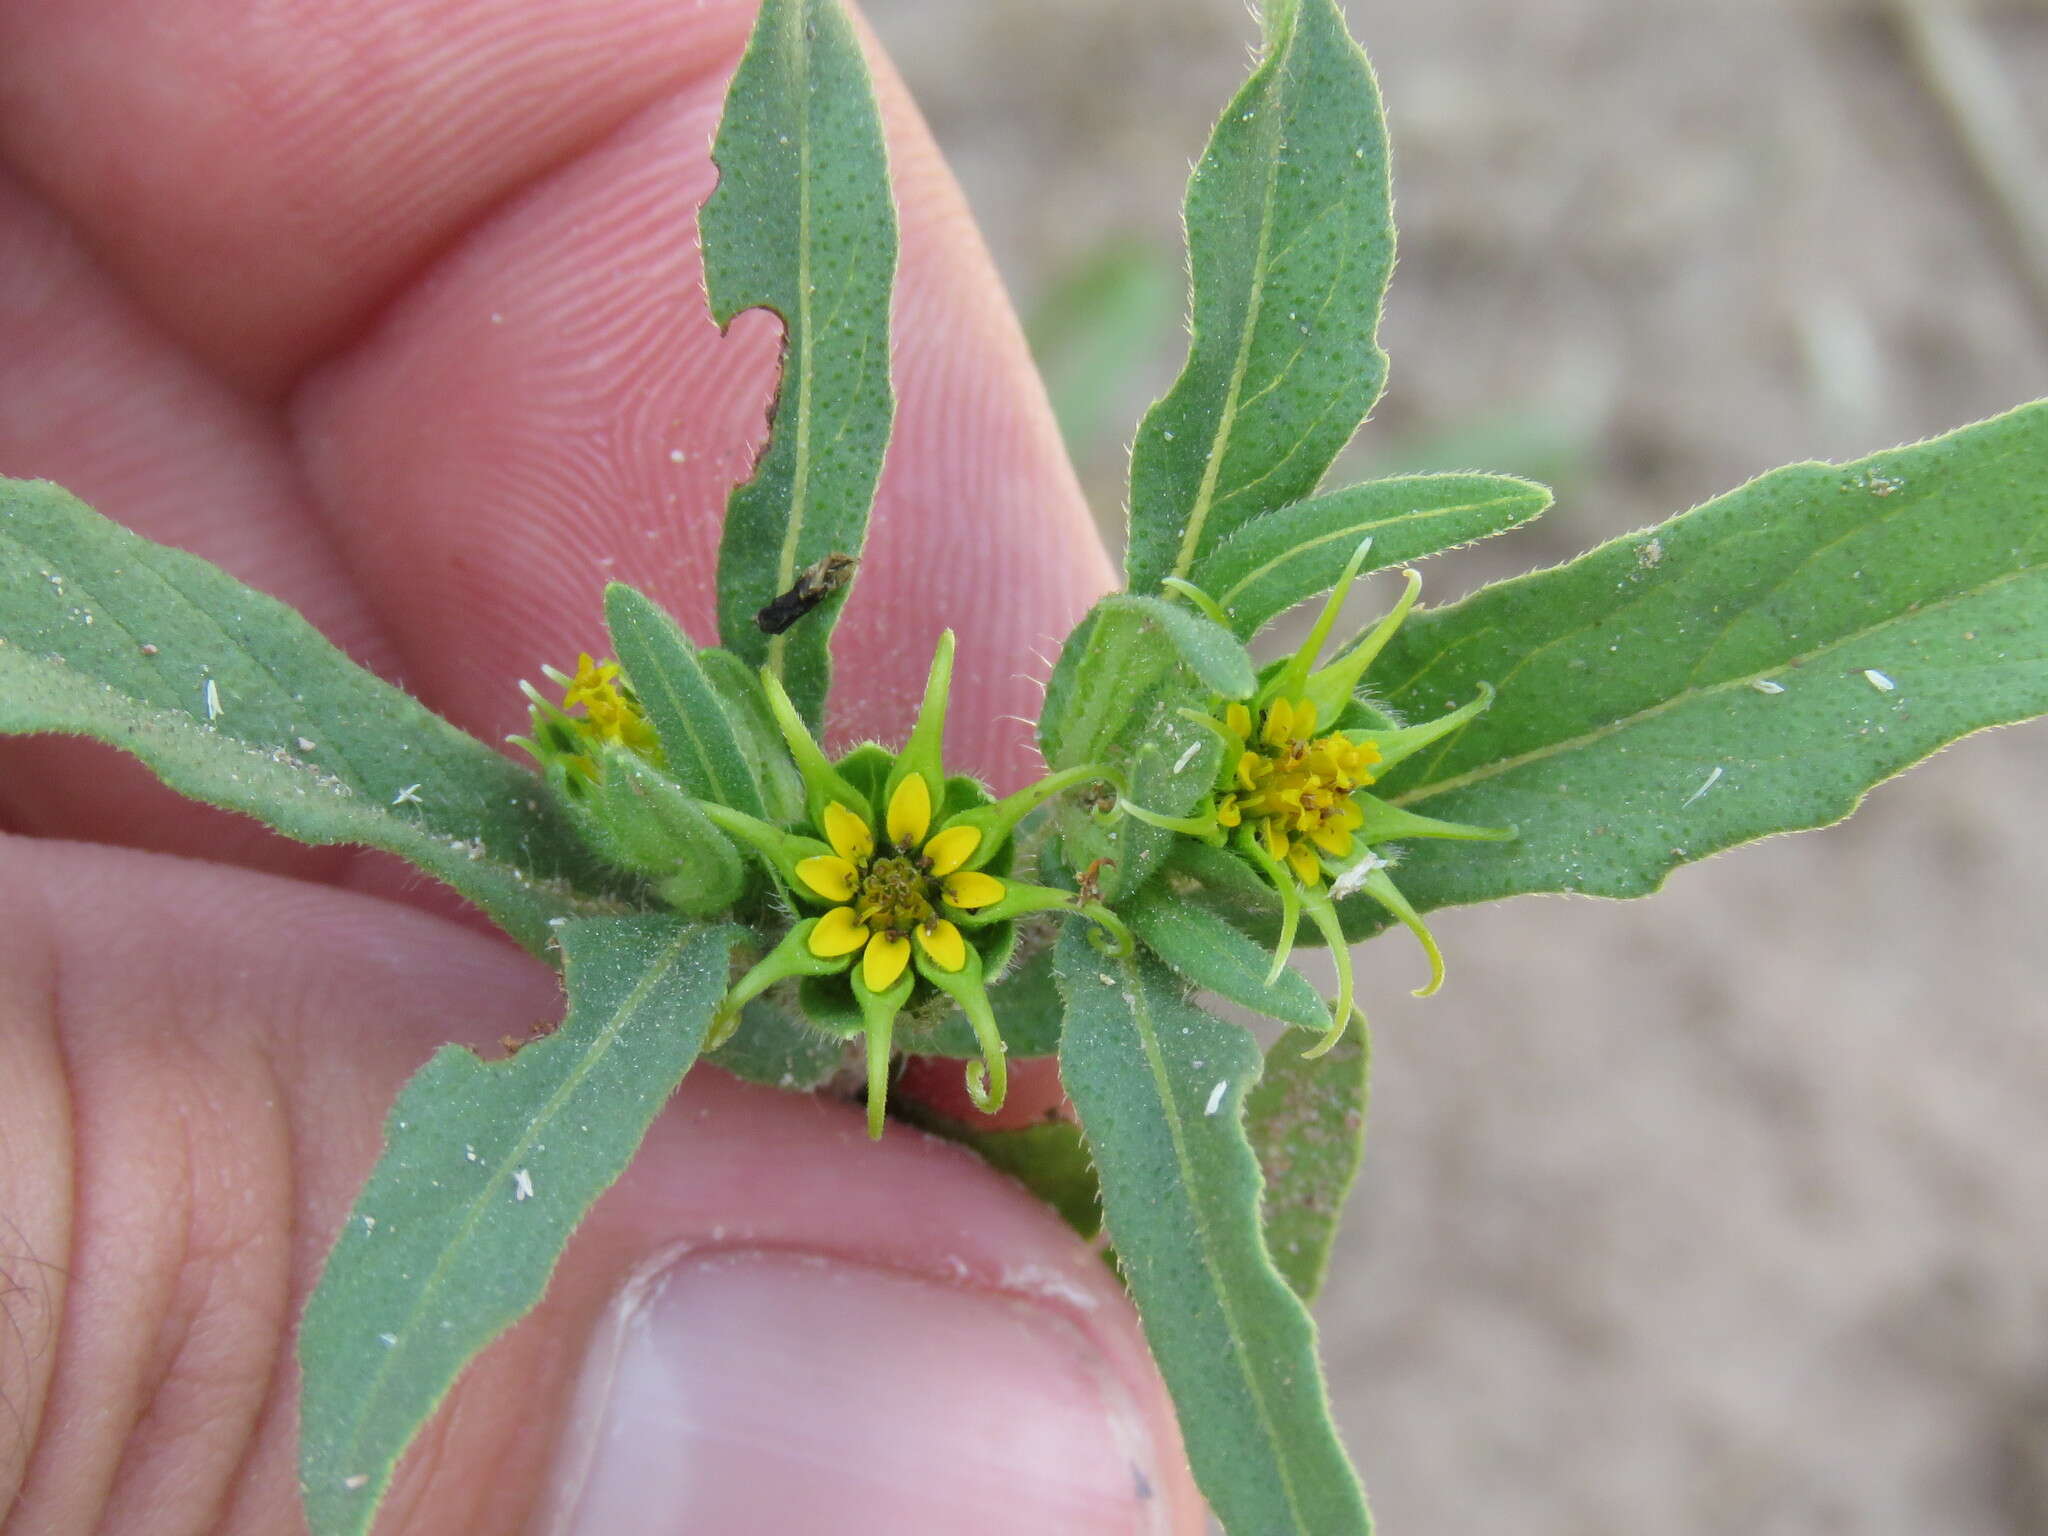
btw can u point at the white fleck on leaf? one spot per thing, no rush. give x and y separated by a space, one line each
1765 685
1216 1097
410 795
212 699
1712 779
522 1185
1878 680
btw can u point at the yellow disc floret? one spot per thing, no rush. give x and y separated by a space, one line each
1293 787
612 712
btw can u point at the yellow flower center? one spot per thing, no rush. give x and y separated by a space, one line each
1294 787
890 886
613 714
894 896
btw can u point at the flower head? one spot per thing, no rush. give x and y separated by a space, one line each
905 886
1292 794
899 880
598 710
606 764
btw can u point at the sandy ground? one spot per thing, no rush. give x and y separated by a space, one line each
1725 1210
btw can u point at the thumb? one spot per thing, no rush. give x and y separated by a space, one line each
767 1326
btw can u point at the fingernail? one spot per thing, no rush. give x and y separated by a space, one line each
767 1392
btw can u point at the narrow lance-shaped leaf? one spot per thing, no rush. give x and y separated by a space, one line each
689 718
801 223
487 1169
1288 556
1306 1121
1290 238
1209 953
1160 1086
232 698
1753 666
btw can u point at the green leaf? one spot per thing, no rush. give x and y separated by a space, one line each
1306 1121
801 224
738 687
487 1169
1288 556
1211 954
1115 699
1160 1088
1028 1010
703 754
1751 667
1291 238
234 699
771 1046
1209 650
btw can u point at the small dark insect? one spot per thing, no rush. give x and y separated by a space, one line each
813 586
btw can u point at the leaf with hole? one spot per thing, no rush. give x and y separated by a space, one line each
802 224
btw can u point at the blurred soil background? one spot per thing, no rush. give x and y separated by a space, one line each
1725 1210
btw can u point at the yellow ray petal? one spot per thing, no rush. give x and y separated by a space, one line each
838 932
887 954
910 814
942 944
952 848
1302 860
829 876
971 889
847 833
1334 841
1274 837
1279 723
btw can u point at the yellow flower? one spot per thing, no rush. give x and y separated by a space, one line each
1294 803
610 708
1294 787
919 895
896 889
571 746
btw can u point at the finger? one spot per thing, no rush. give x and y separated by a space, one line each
555 409
499 487
263 179
767 1325
96 399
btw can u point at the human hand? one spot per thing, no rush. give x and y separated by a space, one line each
394 310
